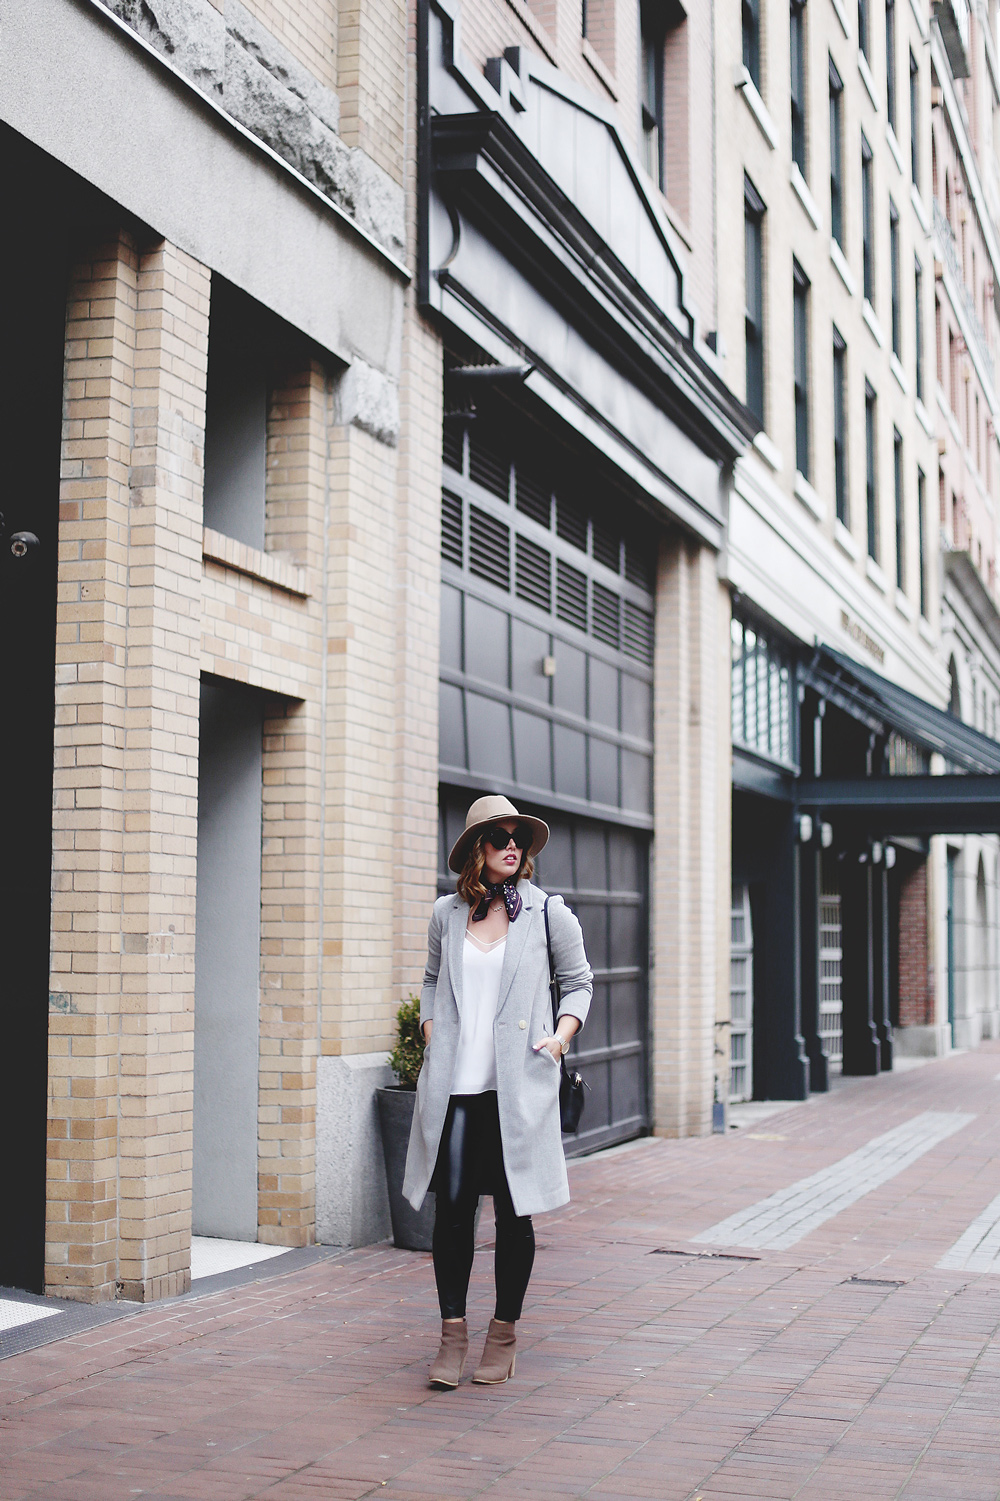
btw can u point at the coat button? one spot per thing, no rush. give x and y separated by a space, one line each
522 1025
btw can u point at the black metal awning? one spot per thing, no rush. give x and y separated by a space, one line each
884 707
883 806
965 801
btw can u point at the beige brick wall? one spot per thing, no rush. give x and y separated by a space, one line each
126 773
691 866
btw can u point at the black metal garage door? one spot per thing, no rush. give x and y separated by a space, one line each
546 695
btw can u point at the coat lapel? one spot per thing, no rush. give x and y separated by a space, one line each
456 940
517 937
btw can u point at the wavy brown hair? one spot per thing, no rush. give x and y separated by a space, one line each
470 884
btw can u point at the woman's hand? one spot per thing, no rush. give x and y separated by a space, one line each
552 1046
565 1031
428 1028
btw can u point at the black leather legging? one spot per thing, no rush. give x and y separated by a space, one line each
470 1162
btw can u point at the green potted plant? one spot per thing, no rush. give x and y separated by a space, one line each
410 1230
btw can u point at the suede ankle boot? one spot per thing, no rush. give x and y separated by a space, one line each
499 1354
446 1370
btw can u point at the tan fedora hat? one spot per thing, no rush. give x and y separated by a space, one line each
485 812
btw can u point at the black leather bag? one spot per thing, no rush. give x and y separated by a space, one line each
571 1084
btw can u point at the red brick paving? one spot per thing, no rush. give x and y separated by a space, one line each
639 1375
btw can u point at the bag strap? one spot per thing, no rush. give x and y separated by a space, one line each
553 982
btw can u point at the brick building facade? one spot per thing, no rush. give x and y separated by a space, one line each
391 420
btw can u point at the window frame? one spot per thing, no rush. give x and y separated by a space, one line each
890 63
918 328
899 498
797 77
652 39
836 155
840 409
868 220
921 540
750 18
871 470
800 366
914 121
896 320
754 211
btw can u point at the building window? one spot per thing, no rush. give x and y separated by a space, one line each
914 121
918 327
921 543
797 42
840 426
800 337
652 94
871 494
897 485
868 220
836 156
751 40
753 208
864 39
761 693
894 274
890 62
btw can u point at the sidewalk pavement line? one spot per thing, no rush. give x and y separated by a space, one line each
978 1248
785 1217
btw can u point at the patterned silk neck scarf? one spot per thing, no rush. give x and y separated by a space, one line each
511 900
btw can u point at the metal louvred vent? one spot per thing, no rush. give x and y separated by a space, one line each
637 637
489 468
604 620
607 546
454 445
489 548
571 595
451 528
534 499
571 523
640 565
533 576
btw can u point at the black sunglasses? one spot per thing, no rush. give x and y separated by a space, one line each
500 837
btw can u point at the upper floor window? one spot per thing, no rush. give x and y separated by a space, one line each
797 45
921 543
918 327
914 121
890 62
864 37
894 275
871 469
652 94
840 426
751 40
836 156
800 339
761 692
868 220
753 211
897 485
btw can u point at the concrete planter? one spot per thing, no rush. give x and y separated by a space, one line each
410 1231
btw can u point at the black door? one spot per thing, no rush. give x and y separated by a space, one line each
33 273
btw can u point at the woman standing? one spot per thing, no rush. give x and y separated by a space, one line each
487 1110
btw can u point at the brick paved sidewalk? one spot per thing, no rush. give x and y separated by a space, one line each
641 1374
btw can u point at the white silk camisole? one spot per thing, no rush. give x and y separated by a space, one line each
476 1060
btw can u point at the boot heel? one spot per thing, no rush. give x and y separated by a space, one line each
499 1355
446 1371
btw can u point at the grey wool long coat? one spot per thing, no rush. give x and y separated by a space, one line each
527 1082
